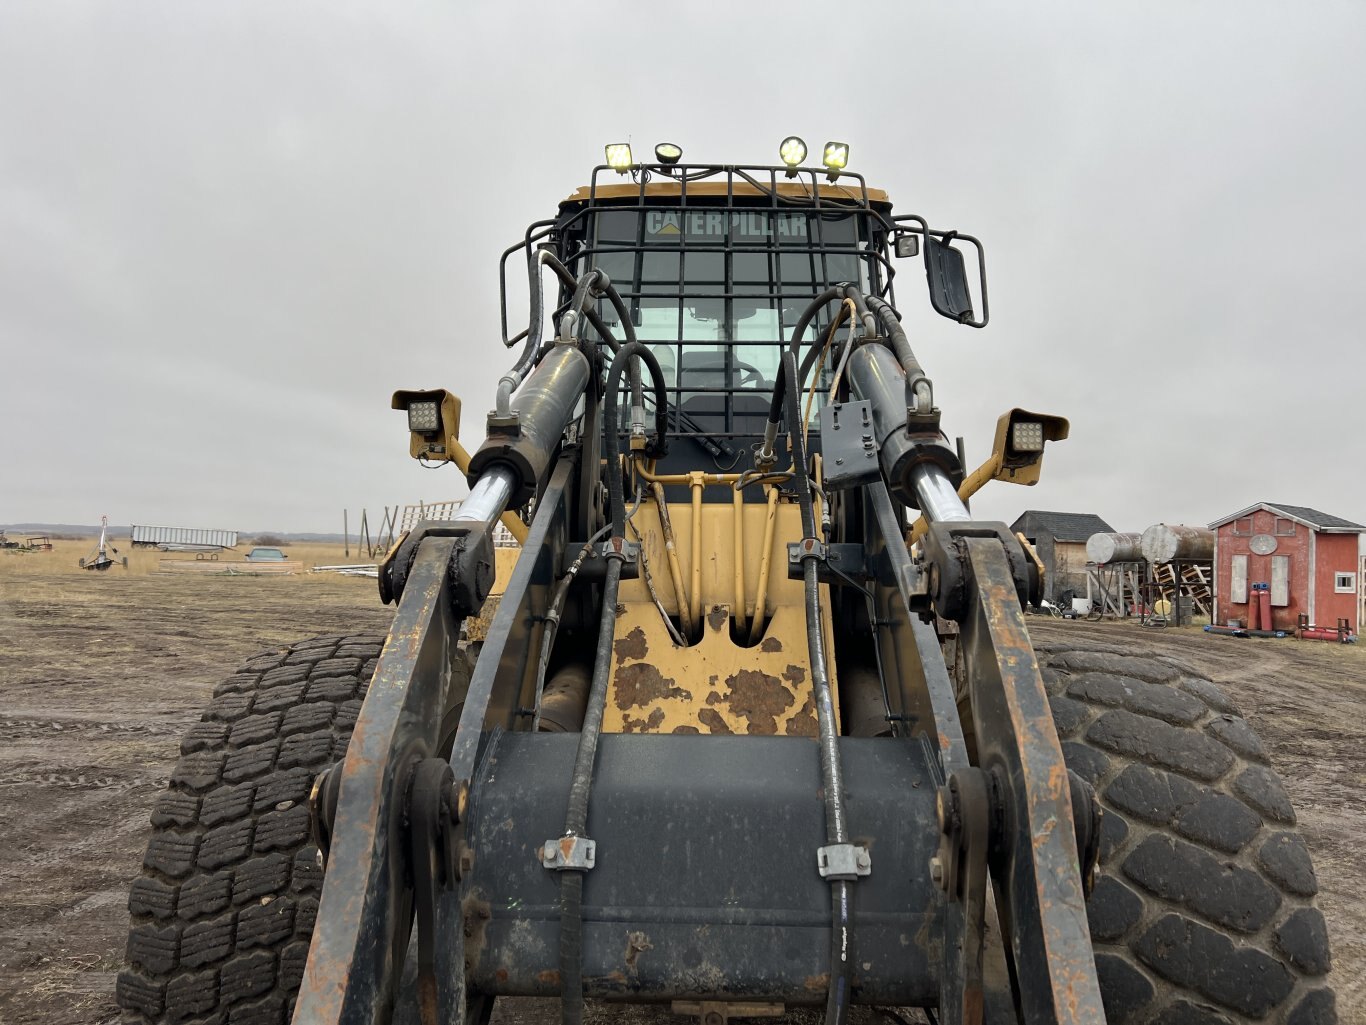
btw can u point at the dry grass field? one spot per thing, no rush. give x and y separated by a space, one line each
101 673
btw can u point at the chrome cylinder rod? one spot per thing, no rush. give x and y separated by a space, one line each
488 498
939 499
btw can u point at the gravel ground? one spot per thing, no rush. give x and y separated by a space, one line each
100 675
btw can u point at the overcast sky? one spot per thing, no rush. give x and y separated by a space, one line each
228 231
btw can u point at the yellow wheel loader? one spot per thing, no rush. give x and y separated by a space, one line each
749 720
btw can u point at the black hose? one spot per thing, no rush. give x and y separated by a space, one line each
576 816
581 784
901 345
832 774
615 486
775 409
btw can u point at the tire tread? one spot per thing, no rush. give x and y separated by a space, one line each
224 909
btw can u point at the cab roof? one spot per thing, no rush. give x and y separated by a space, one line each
662 189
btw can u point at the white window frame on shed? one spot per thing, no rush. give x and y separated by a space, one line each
1344 583
1237 580
1283 527
1242 527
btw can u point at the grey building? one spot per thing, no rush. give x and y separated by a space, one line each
1060 539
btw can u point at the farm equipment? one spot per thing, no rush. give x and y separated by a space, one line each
101 559
720 739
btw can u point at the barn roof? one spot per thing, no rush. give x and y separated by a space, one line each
1061 526
1319 521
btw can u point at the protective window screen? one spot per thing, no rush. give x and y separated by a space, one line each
716 290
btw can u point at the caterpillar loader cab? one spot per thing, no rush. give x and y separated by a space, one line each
752 721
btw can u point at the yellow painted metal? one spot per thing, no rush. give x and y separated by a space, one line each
713 686
681 606
766 586
647 473
436 446
719 189
696 594
504 560
761 593
738 515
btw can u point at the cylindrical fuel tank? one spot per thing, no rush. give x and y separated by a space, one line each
1114 547
706 881
1163 542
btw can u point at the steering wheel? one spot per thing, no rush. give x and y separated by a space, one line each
750 375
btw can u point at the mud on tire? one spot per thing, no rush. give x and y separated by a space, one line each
1203 910
224 908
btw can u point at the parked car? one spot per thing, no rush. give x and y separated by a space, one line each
266 555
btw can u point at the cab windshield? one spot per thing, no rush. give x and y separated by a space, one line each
716 291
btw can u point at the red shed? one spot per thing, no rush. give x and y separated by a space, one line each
1309 559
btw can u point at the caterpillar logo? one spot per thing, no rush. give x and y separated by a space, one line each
739 224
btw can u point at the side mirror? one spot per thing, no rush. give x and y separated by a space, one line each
948 277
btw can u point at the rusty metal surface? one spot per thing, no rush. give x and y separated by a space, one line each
363 918
715 685
1039 887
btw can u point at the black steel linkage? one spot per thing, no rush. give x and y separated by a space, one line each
950 747
364 916
965 988
471 728
1038 882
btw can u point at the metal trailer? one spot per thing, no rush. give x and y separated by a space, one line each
201 538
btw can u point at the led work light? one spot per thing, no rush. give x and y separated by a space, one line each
792 151
423 417
668 153
836 156
619 156
1026 436
433 423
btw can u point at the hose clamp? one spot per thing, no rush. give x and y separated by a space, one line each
570 853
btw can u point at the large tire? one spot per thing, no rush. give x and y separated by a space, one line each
1203 910
224 909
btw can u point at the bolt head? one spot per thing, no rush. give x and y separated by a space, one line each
936 870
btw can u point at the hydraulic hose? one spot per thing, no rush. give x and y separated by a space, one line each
532 351
508 383
832 774
775 409
916 381
576 817
615 488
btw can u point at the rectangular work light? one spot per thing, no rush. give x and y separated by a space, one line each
433 423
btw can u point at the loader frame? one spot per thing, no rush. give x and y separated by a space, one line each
440 894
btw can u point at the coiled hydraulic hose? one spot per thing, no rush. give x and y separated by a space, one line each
615 489
590 283
832 774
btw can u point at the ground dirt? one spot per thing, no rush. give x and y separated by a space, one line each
100 674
